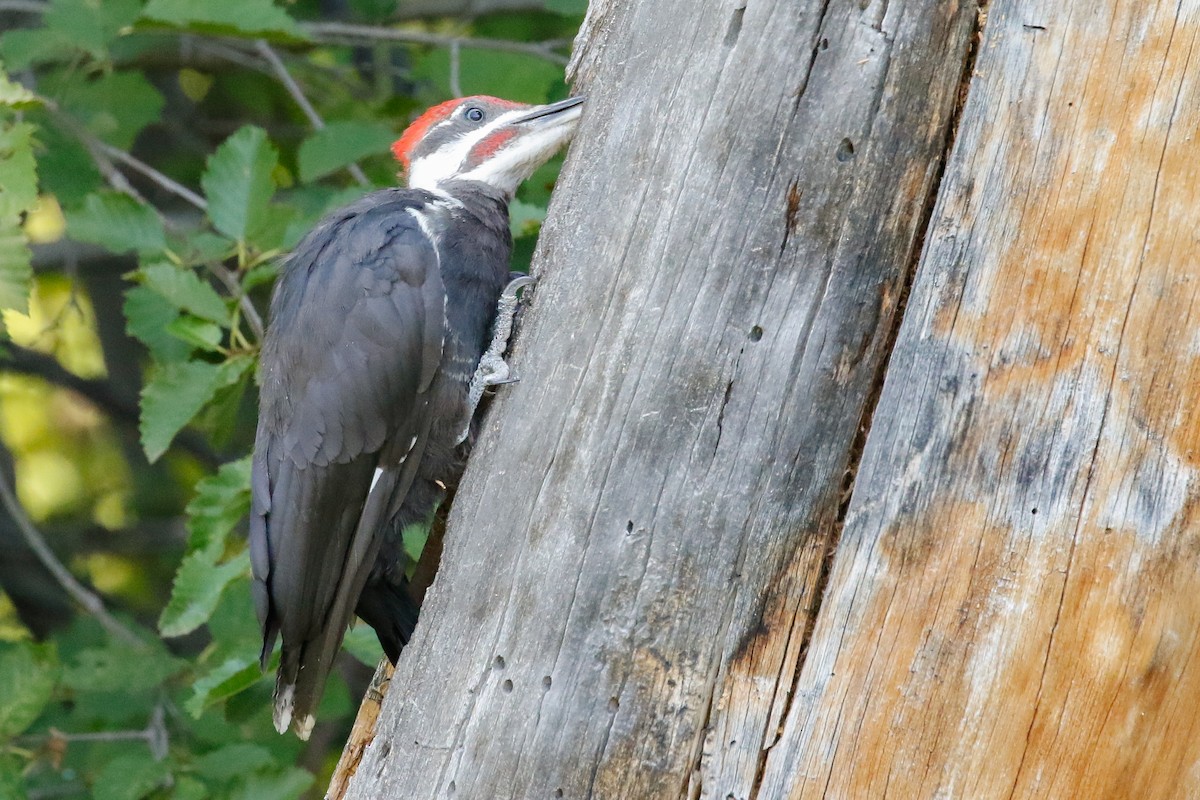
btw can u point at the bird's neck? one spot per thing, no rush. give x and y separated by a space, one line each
481 200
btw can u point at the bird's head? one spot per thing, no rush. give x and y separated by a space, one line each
484 139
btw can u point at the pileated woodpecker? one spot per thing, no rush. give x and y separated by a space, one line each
387 322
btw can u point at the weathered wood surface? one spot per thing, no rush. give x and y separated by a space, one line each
634 554
1014 607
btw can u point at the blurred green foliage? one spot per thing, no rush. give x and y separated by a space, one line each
155 166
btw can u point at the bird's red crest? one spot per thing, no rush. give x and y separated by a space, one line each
403 146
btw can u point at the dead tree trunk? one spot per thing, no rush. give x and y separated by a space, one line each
646 591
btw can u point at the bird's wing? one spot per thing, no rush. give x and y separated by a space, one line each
355 340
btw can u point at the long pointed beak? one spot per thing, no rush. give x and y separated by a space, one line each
563 109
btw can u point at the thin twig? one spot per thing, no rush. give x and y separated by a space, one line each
78 592
155 735
456 69
297 94
24 6
230 280
147 171
341 32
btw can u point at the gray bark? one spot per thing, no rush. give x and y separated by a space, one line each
634 555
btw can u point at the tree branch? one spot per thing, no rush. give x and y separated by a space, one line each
149 172
33 537
297 94
345 33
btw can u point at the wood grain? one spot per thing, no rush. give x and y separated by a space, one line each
636 550
1014 608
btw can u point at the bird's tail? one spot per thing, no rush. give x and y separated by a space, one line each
385 605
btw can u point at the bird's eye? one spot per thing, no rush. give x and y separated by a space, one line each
475 114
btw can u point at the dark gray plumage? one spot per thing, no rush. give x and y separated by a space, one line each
378 324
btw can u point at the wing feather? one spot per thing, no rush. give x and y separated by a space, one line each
355 339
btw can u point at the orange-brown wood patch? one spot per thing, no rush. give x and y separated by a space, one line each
1014 610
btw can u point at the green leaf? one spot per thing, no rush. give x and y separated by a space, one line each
130 777
106 668
16 269
177 392
183 288
237 17
64 167
14 95
28 673
233 761
237 182
25 47
221 501
232 676
290 783
18 193
18 172
114 106
88 25
362 643
196 332
117 222
190 789
340 144
198 587
509 75
148 315
525 218
12 785
567 7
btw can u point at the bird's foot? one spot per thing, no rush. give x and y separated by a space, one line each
493 370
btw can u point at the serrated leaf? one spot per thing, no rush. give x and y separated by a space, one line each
232 761
237 17
117 222
147 316
18 171
340 144
16 269
114 106
130 777
196 332
237 182
221 501
198 587
232 676
183 288
176 392
28 673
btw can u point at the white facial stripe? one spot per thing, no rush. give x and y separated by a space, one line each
512 164
442 164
